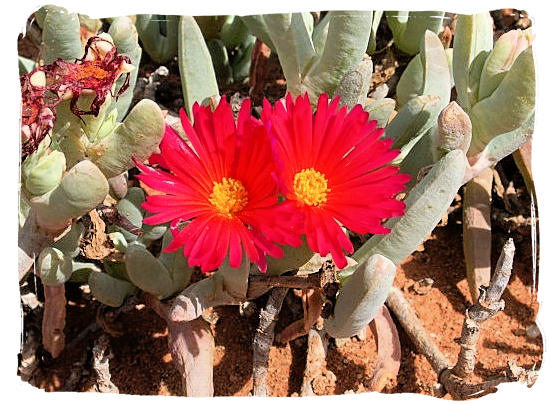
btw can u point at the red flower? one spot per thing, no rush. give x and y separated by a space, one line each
223 185
333 171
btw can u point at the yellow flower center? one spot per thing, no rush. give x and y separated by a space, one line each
311 187
228 196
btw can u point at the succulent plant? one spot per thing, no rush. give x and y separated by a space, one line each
314 61
408 27
159 35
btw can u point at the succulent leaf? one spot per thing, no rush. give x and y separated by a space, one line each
125 37
81 189
60 35
54 267
158 33
198 78
473 41
346 43
361 297
138 136
409 28
510 105
289 33
426 204
354 87
109 290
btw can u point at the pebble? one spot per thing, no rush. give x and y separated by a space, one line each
532 332
30 300
340 342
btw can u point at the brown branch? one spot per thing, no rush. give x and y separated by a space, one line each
487 305
260 284
110 215
476 214
101 357
263 339
53 321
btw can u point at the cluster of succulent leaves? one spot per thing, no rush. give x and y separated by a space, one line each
492 117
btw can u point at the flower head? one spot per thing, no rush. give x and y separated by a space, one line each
222 183
333 170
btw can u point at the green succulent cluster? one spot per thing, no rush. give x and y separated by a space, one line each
73 169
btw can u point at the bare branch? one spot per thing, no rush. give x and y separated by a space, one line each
263 339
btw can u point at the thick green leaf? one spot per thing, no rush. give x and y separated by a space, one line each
81 189
408 28
380 110
257 26
125 37
346 43
138 136
426 204
289 33
508 107
108 290
361 297
412 122
54 267
158 33
473 41
198 78
60 35
147 273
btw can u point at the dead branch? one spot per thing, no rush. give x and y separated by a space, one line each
317 346
53 322
312 305
263 339
101 365
29 360
488 305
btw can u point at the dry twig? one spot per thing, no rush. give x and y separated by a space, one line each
488 305
264 338
101 365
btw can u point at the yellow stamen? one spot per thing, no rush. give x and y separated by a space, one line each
311 187
228 196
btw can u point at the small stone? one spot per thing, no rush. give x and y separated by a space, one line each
532 332
423 286
340 342
247 308
30 300
380 91
362 334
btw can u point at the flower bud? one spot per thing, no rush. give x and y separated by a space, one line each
454 130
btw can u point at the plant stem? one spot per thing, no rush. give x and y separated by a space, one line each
488 305
263 339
